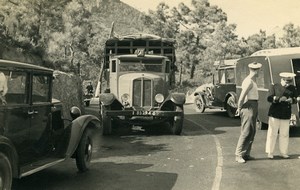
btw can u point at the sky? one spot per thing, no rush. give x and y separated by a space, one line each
249 15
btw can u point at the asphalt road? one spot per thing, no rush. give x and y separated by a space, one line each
199 159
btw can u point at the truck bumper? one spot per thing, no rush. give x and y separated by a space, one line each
142 113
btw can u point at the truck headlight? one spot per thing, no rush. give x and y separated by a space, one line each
125 98
159 98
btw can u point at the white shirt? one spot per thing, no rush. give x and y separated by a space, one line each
3 84
253 92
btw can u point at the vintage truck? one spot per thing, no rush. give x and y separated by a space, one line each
138 75
33 133
221 94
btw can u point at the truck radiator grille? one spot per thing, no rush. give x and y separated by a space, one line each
142 92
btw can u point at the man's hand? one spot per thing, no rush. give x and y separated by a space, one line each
238 112
289 100
282 99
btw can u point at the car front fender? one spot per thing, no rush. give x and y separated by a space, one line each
7 147
199 93
77 128
233 94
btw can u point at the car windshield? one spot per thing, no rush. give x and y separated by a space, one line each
149 65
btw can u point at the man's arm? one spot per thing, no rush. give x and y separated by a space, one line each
245 89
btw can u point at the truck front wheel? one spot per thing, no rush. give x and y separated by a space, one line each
5 172
106 121
177 123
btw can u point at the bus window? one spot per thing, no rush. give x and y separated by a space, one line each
167 67
113 66
261 79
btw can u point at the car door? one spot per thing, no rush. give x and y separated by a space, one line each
14 118
40 111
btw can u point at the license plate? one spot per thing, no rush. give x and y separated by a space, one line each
143 112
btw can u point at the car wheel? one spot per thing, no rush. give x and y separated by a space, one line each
84 151
231 106
199 104
177 123
5 172
106 121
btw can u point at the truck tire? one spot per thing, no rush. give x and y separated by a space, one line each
199 104
5 172
84 151
229 106
177 123
106 122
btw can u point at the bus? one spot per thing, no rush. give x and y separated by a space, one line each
274 61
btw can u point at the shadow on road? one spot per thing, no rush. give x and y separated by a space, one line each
208 122
102 175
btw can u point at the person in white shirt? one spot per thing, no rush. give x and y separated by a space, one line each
3 88
247 110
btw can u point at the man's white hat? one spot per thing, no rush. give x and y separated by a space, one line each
255 65
287 75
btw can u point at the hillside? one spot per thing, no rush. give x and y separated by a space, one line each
126 18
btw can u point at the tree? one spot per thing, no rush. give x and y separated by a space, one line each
291 36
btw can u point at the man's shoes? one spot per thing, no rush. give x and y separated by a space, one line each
248 157
285 156
270 156
240 160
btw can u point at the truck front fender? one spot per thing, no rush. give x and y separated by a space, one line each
77 128
7 147
107 98
178 98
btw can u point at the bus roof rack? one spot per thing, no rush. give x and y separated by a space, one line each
278 51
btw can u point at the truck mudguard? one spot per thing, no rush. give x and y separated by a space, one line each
107 98
178 98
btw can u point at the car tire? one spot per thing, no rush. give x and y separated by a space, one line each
230 106
106 122
5 172
84 151
177 123
199 104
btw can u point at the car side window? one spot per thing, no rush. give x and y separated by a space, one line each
13 87
40 88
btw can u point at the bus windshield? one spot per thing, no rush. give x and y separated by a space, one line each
141 65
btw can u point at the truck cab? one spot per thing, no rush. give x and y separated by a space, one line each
138 82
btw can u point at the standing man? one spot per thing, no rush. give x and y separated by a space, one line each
247 110
281 96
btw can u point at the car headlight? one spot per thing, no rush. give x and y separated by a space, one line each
159 98
125 98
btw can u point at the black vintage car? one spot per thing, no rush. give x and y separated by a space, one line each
33 133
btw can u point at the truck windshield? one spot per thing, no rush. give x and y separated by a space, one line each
141 65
